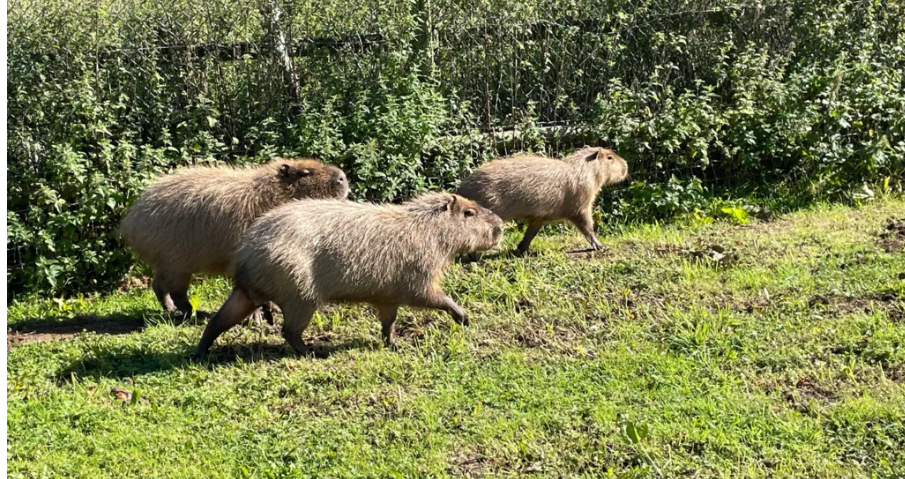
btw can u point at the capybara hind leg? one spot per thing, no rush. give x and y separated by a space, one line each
236 308
387 314
585 224
443 302
296 317
533 229
163 296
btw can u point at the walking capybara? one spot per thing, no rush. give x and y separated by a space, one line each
190 222
541 190
312 252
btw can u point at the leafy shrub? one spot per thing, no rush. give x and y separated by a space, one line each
704 99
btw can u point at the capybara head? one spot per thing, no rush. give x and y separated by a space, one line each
463 224
606 166
312 179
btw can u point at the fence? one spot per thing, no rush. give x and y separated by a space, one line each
410 95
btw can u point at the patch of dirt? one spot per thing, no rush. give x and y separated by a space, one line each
892 239
129 283
714 254
589 253
469 464
531 339
896 374
42 331
866 304
800 394
15 338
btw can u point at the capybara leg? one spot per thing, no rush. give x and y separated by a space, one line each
157 284
178 287
236 308
533 229
296 317
268 309
585 224
387 314
443 302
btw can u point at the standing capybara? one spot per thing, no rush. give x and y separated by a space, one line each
190 222
312 252
541 190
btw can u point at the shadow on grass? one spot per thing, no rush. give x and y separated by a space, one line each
477 257
128 362
116 323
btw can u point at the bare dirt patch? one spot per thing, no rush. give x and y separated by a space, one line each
42 331
892 239
866 304
469 464
801 392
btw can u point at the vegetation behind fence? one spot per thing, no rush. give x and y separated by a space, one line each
703 98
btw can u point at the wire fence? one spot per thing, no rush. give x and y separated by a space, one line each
499 61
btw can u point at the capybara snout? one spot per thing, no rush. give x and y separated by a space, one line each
481 228
314 180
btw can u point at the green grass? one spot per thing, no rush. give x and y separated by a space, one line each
638 361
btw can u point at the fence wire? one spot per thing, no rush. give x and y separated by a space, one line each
499 60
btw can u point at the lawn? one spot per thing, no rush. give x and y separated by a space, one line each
773 348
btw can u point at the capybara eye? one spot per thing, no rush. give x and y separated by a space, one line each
609 157
303 173
469 213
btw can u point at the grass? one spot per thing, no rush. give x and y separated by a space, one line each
647 359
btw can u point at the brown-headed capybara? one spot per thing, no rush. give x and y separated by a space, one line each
312 252
190 221
541 190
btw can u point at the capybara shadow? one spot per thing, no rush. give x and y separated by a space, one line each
478 257
121 363
116 323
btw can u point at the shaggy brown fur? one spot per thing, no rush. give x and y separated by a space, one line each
190 222
541 190
312 252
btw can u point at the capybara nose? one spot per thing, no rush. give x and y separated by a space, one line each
497 231
340 180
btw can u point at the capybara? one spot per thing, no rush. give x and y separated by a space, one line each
541 190
312 252
190 221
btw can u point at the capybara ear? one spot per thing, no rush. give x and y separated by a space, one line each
451 204
284 170
593 156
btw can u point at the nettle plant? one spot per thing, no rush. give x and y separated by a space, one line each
708 101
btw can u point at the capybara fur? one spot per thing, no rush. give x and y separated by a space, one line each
190 221
541 190
308 253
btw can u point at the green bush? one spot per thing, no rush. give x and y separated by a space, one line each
704 99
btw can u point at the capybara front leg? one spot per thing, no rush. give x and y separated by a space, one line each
533 229
163 296
585 224
236 308
296 317
387 314
268 309
179 291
